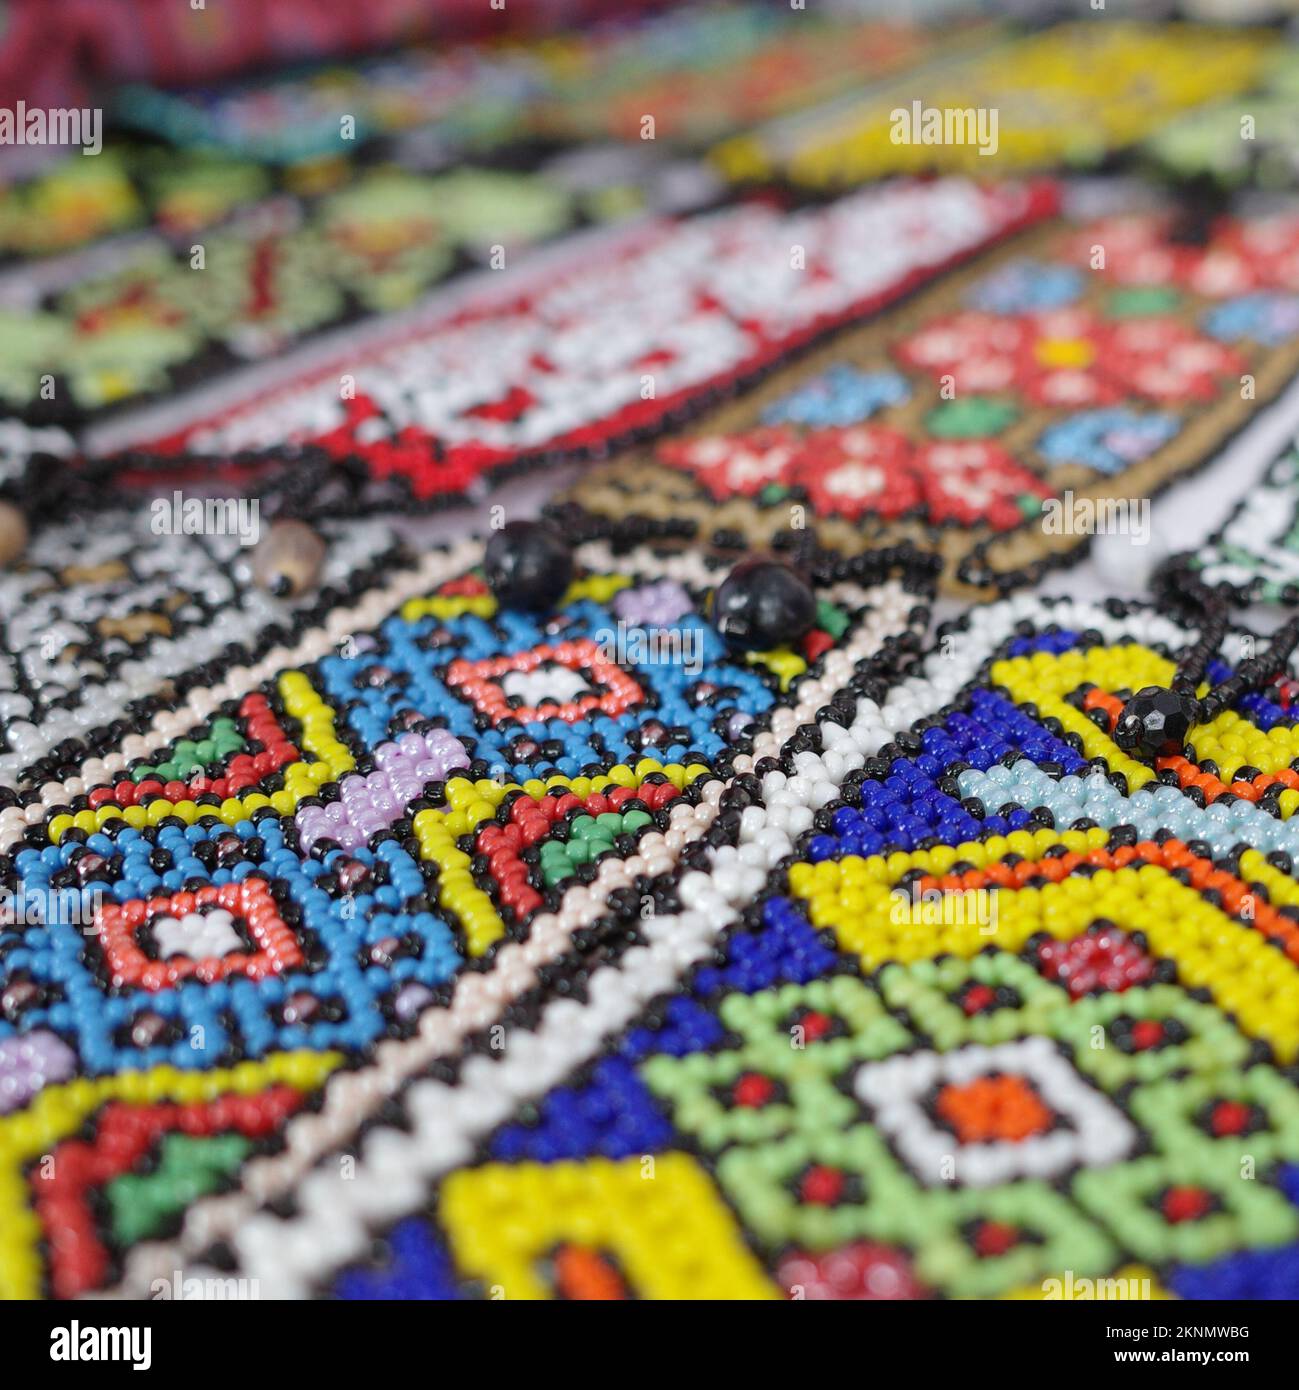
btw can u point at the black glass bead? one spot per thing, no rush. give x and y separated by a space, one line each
528 565
762 604
1155 722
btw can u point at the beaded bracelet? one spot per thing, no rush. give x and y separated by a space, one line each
1250 556
168 312
574 355
1069 96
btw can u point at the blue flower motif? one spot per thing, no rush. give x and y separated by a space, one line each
841 396
1107 440
1025 287
1267 318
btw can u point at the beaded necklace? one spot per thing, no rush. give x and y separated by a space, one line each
1157 720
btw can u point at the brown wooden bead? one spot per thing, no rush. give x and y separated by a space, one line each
13 533
288 559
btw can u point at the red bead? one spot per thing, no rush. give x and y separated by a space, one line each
1186 1204
815 1025
857 1271
822 1186
995 1238
753 1090
1147 1033
977 998
1230 1117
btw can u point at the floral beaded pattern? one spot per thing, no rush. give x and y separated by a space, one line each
272 882
1083 362
1012 1006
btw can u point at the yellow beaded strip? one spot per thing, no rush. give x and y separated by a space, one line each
661 1217
1044 679
59 1111
330 760
1066 96
447 606
1244 973
1233 742
1282 890
786 665
599 587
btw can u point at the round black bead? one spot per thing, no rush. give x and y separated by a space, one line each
1156 722
762 604
528 565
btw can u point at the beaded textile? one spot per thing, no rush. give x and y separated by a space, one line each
1084 364
963 1003
596 350
388 826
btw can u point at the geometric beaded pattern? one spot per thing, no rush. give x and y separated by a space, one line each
1207 139
95 624
1255 553
1015 1016
1085 363
589 350
745 66
272 276
308 870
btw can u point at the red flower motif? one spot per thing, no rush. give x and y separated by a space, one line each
1238 258
1268 247
850 472
730 465
972 481
869 470
978 350
1164 360
1136 250
1071 357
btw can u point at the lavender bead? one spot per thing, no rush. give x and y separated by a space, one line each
29 1063
410 1001
652 605
737 723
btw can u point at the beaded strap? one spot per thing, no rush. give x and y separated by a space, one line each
1039 394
